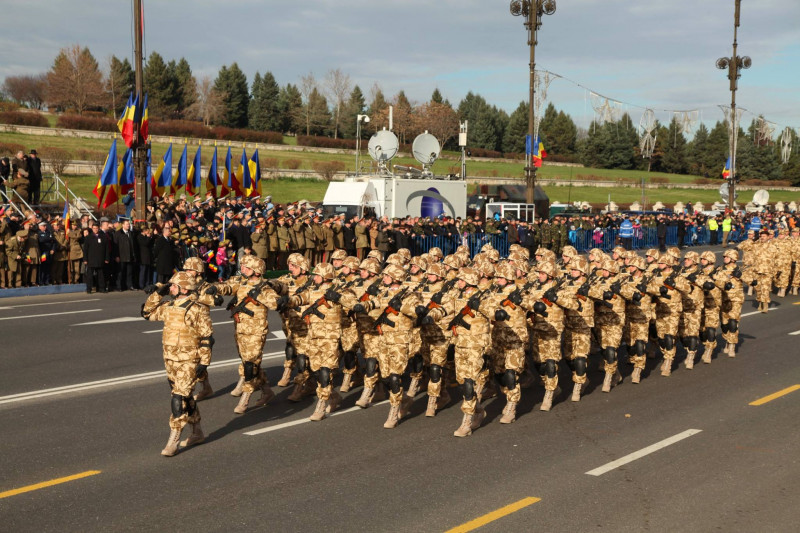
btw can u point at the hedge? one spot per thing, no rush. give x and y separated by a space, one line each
23 118
188 128
89 123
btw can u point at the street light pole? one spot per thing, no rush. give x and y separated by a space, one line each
140 148
359 118
532 10
733 65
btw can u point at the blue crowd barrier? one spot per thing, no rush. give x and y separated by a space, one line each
474 242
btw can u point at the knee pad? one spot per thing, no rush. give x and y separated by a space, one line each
640 347
451 352
711 334
291 352
250 371
191 405
509 379
302 362
468 389
350 359
541 368
394 383
177 405
372 366
733 326
324 376
724 327
579 366
692 343
551 370
435 373
669 342
610 354
661 342
417 363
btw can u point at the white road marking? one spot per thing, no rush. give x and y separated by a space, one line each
112 321
758 312
3 308
78 387
643 452
285 425
795 332
51 314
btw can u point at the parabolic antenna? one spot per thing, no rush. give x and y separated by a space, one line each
761 197
724 192
426 149
383 146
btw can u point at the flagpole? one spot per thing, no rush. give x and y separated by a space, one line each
140 152
66 232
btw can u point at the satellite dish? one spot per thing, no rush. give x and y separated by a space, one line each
761 197
724 192
383 147
426 149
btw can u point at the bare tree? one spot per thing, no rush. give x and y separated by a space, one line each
338 87
209 105
440 120
307 85
75 81
27 90
56 159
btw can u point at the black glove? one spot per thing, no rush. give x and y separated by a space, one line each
754 283
583 290
551 295
396 302
359 308
332 296
607 295
150 289
663 291
708 285
501 315
211 290
642 287
637 297
692 277
421 310
515 297
218 300
474 302
437 298
201 369
540 308
164 289
426 320
728 286
282 302
373 290
737 273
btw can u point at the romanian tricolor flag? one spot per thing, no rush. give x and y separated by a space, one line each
163 176
233 183
128 119
144 130
193 175
43 258
726 170
212 180
538 152
213 267
255 175
243 172
109 175
125 174
209 255
66 216
179 176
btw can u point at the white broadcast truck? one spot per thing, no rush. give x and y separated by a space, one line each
417 193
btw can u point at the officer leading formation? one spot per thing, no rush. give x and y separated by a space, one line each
484 325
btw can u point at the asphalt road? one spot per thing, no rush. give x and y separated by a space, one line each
109 411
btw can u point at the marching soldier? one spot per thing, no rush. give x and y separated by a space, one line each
795 252
711 304
187 340
638 310
348 278
729 278
782 262
609 319
667 290
253 297
579 320
692 313
747 248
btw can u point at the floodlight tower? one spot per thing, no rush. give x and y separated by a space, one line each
140 147
532 10
733 65
359 120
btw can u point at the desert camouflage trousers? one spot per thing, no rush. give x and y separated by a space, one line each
577 342
350 343
323 353
470 362
689 325
783 271
763 288
435 343
546 345
638 331
731 310
251 350
181 375
667 324
392 359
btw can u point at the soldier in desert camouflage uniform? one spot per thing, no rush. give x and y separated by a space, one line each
187 340
367 287
254 297
348 277
692 313
667 290
579 321
417 281
206 295
782 262
711 304
397 313
638 309
729 279
609 319
296 280
763 270
795 253
747 249
324 307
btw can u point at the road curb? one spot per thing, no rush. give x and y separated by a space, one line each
41 291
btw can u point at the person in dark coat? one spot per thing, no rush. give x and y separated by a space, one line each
35 177
144 246
164 254
661 233
126 248
95 257
349 237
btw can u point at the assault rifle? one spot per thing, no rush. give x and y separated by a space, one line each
331 295
515 297
436 300
392 308
236 307
372 290
467 310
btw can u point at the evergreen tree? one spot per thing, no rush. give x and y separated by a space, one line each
486 123
263 114
119 84
318 114
560 135
437 96
353 107
697 152
161 86
290 109
514 137
186 89
378 108
231 84
717 149
791 170
674 161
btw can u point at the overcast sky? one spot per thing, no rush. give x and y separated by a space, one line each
652 53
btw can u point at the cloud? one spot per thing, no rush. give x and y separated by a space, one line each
655 54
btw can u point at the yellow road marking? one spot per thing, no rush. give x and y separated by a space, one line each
494 515
50 483
796 303
784 392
